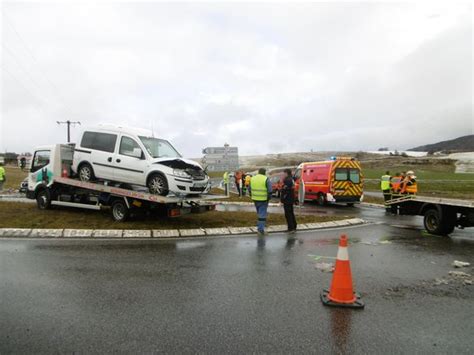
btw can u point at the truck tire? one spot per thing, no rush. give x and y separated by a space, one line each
321 199
438 223
85 172
158 185
120 211
43 199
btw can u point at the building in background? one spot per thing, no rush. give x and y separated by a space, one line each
224 158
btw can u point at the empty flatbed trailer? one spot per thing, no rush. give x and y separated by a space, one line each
440 215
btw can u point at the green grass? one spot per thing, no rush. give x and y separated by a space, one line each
23 215
14 177
373 199
447 189
422 174
232 197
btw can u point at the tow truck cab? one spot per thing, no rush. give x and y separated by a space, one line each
48 161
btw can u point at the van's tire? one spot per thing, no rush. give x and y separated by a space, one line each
43 199
157 184
438 223
85 172
120 211
321 200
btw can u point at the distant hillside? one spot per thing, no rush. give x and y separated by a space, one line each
461 144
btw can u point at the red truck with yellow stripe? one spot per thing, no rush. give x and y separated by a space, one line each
338 180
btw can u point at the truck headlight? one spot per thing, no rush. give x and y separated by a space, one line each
181 173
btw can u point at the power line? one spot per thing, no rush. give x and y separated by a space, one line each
21 66
30 52
37 101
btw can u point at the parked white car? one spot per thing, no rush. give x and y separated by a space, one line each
135 157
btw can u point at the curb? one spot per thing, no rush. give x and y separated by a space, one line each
163 234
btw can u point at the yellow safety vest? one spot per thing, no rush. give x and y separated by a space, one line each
385 182
226 177
2 173
258 187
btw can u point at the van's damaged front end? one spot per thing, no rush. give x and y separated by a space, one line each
185 177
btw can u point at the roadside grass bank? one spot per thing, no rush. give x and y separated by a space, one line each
22 215
447 189
14 177
373 199
232 197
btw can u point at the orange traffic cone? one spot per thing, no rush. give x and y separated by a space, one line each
341 293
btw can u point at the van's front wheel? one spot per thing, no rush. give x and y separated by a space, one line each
158 185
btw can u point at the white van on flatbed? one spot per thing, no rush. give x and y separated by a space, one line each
50 184
135 157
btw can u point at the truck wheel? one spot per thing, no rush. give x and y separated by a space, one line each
436 223
158 185
43 199
120 211
86 173
321 199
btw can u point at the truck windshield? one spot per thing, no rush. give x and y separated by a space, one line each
159 148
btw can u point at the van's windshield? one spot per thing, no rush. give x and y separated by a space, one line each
159 148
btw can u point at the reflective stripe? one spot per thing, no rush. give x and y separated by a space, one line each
342 254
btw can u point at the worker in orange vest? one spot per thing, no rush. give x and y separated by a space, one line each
409 184
238 182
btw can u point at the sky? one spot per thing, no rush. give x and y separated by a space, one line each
267 77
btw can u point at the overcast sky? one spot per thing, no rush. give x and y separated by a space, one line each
267 78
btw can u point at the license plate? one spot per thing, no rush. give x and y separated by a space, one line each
200 184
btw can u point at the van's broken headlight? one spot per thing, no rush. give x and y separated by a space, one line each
181 173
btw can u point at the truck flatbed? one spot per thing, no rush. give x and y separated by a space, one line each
135 194
434 200
441 215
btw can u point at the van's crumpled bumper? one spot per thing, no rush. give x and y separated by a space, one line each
189 187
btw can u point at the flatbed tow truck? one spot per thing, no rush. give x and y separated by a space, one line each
50 184
440 215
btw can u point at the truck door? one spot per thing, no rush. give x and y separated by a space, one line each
130 163
40 171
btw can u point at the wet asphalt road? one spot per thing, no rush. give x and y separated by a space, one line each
232 295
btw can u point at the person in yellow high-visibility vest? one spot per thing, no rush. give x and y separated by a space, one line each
385 186
2 176
260 189
225 178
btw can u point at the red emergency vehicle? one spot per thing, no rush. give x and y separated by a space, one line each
338 180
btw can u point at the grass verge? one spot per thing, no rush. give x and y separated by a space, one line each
14 177
23 215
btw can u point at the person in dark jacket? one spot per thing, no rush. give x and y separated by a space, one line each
287 197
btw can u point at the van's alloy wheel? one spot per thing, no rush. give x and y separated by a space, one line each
158 185
85 173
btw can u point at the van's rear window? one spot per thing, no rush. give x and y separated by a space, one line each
99 141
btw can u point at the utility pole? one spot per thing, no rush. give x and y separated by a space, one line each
69 123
